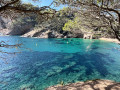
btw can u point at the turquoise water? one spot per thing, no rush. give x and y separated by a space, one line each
40 63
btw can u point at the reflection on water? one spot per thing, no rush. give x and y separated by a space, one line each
45 62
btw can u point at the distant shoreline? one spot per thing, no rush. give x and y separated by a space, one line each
104 39
110 40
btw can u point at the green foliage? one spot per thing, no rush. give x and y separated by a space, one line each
69 25
66 12
87 25
74 25
57 22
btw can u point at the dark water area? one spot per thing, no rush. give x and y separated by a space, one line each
40 63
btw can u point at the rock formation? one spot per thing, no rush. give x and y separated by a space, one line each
89 85
4 25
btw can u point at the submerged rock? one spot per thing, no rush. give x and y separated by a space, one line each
88 85
26 87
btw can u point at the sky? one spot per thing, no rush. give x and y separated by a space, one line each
43 3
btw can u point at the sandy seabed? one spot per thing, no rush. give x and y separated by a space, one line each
110 40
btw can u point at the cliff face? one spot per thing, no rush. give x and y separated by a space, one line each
8 28
21 29
4 25
48 29
47 33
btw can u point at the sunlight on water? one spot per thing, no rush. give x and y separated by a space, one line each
40 63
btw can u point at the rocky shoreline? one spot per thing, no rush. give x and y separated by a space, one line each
54 34
30 34
88 85
47 33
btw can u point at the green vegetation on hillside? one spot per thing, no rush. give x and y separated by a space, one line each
65 20
101 18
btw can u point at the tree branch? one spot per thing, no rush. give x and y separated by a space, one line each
5 6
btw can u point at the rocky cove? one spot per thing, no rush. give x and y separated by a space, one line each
47 31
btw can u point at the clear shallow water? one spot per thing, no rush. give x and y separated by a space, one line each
40 63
